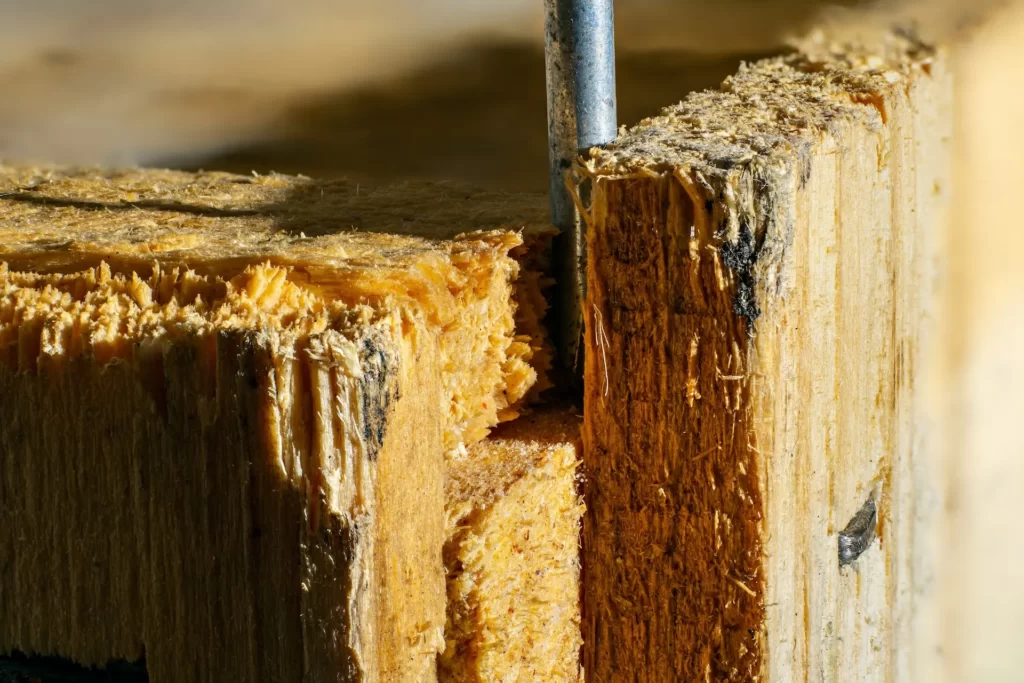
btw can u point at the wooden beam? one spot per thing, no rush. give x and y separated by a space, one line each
760 285
227 415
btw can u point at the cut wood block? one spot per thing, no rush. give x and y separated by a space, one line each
227 403
512 555
759 286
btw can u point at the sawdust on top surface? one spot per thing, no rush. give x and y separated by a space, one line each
440 253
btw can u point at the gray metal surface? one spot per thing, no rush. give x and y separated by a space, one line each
580 53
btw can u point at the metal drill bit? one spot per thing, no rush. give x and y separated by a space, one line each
580 55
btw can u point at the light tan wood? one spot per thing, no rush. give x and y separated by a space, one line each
221 523
228 414
512 555
760 288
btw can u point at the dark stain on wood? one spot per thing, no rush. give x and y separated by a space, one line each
859 534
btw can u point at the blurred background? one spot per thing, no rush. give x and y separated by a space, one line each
412 88
454 89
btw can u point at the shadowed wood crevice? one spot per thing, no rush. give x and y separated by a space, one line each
21 669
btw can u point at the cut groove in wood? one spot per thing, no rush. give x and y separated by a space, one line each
512 555
761 271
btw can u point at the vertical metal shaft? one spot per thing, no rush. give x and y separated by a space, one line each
580 54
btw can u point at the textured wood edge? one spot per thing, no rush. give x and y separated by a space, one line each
703 235
293 536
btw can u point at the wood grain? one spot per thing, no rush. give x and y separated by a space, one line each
184 527
760 282
230 468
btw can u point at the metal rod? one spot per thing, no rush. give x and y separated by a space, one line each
593 32
580 56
